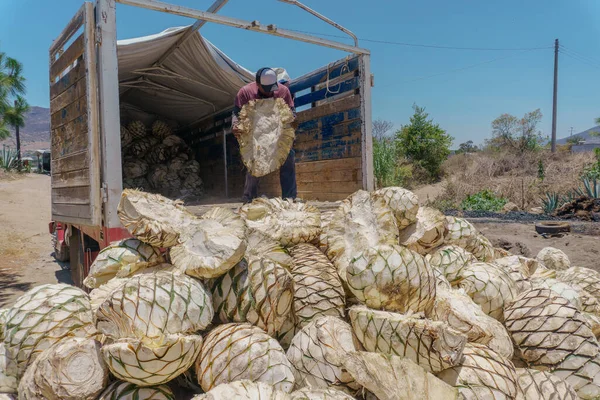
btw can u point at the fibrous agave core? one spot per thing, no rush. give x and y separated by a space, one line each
152 218
450 260
266 135
234 352
121 259
40 318
283 220
243 390
536 385
427 233
393 278
483 374
459 231
403 203
73 369
320 394
433 345
316 353
360 223
553 258
120 390
210 245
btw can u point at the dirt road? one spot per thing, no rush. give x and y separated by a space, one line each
25 244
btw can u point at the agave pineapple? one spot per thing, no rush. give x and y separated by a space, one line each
317 288
518 269
450 260
128 391
433 345
360 223
320 394
234 352
585 278
126 137
459 232
483 374
121 259
139 148
537 385
266 135
8 384
134 168
481 248
152 218
457 309
72 369
244 390
283 220
158 154
489 286
392 277
161 129
553 258
404 204
137 129
260 290
427 233
395 378
3 313
40 318
211 245
316 353
553 335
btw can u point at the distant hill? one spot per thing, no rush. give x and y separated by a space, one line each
36 133
585 135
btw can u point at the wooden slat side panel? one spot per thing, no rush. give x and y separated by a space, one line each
70 138
71 179
80 211
74 92
68 80
330 71
69 113
72 162
345 86
68 57
345 104
71 195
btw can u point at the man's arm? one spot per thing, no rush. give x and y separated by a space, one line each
240 100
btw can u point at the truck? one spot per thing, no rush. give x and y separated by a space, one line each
98 83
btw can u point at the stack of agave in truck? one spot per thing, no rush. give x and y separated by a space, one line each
380 299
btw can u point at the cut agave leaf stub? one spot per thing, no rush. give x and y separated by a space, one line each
128 391
266 135
211 245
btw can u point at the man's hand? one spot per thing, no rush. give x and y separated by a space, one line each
235 129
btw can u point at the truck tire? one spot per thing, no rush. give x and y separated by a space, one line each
61 252
552 228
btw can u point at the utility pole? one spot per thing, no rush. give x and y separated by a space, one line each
571 132
553 147
18 144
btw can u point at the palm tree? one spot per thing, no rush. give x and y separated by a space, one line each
15 117
12 84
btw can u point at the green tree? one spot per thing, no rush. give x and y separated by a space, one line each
12 86
512 133
424 143
15 116
467 147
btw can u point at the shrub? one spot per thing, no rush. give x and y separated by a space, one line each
485 200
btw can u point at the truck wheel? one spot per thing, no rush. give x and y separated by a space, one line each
61 252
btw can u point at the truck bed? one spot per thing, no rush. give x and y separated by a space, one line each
202 207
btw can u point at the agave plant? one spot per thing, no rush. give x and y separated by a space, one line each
8 158
550 203
592 187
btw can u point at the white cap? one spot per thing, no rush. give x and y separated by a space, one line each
282 75
267 78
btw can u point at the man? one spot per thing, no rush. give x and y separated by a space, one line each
265 87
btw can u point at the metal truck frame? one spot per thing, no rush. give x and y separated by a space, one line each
85 124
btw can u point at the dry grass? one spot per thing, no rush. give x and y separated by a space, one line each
512 176
13 245
10 175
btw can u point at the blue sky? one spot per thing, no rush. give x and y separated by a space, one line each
463 102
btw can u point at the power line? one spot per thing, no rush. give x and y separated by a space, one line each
462 68
431 46
576 57
581 55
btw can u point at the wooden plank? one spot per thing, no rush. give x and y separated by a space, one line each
321 166
312 97
67 58
331 70
349 175
70 138
80 211
69 79
353 150
71 179
74 92
333 83
367 126
72 27
330 108
71 195
72 162
332 127
69 113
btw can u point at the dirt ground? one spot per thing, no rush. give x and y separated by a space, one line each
26 247
25 244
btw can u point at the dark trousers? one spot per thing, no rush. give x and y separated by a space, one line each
287 179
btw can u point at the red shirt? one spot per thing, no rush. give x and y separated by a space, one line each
251 92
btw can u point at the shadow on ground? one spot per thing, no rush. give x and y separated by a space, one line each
63 275
10 283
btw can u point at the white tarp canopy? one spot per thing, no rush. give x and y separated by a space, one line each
195 81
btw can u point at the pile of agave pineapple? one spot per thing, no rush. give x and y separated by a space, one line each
156 160
379 299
